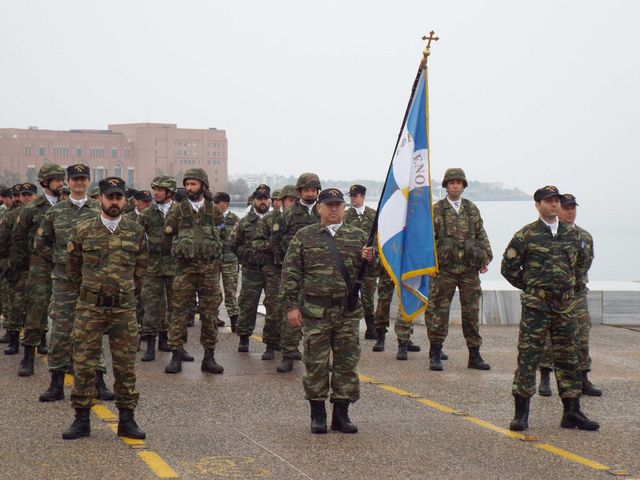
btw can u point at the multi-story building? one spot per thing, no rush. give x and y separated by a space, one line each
135 152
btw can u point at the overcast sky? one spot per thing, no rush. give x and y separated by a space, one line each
527 93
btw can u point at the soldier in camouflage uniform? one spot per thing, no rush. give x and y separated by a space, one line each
50 243
16 272
463 252
7 201
267 243
158 281
276 204
94 193
302 213
106 263
38 292
316 287
195 228
567 215
253 277
545 260
229 264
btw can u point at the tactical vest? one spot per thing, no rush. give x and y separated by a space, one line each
154 231
198 237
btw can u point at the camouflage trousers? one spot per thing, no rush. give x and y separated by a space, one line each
17 310
38 298
157 292
229 271
4 300
289 337
331 336
368 290
122 328
185 286
273 303
402 329
535 327
63 312
441 292
253 283
583 327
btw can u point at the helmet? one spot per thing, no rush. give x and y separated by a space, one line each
288 191
276 194
49 171
197 174
308 180
454 174
164 181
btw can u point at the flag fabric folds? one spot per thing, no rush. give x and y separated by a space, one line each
405 237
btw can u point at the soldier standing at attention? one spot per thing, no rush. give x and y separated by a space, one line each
267 243
302 213
276 204
546 260
16 272
194 228
253 278
51 244
106 263
463 253
567 215
38 291
318 273
158 279
229 264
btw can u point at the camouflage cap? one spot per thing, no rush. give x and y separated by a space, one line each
547 191
112 185
357 190
143 195
28 188
164 181
78 170
288 191
196 174
308 180
221 197
263 191
567 199
454 174
50 171
331 195
275 195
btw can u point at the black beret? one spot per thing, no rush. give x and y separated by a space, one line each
221 197
144 195
112 185
78 170
546 192
357 190
567 200
331 195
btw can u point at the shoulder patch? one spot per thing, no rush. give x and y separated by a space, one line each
168 229
69 247
276 227
511 253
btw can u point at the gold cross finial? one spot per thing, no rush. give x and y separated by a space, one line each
427 49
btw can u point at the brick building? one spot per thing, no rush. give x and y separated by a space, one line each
137 152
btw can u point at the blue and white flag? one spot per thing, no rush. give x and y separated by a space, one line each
405 223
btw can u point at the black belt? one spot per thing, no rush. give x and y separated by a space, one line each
326 302
106 301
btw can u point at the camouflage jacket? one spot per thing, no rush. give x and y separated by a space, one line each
161 261
268 238
24 233
241 239
52 236
309 272
545 267
195 238
230 221
462 244
295 217
132 215
105 263
586 243
8 221
363 222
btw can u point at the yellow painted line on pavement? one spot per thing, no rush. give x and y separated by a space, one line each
572 456
158 466
495 428
68 379
103 413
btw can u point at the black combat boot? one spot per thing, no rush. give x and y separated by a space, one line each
296 355
233 320
191 320
127 426
186 356
243 345
589 388
209 363
443 356
56 388
544 389
5 337
269 353
370 332
412 347
379 346
14 343
520 421
42 347
26 365
286 364
572 417
163 342
175 365
476 361
81 427
402 351
102 391
435 358
219 323
150 354
318 416
340 417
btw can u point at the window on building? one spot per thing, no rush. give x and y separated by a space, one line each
117 170
114 152
130 177
41 151
27 150
31 173
127 153
78 151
